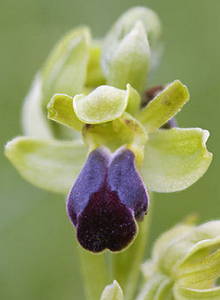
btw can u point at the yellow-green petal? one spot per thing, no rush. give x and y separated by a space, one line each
176 158
112 292
104 104
164 106
60 109
49 164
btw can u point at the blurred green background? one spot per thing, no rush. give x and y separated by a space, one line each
37 251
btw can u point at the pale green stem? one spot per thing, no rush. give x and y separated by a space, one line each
126 265
95 273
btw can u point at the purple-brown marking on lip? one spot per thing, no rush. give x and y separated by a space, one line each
106 199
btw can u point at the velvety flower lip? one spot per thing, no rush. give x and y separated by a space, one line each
106 200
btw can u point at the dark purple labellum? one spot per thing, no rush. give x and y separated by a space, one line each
106 199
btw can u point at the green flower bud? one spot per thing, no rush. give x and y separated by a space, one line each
131 47
112 292
185 264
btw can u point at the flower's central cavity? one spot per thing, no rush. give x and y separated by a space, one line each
106 199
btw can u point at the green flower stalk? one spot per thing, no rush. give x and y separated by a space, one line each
91 135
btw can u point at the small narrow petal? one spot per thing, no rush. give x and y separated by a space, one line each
48 164
176 158
164 106
60 109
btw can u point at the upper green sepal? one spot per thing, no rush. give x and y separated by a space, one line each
49 164
112 292
164 106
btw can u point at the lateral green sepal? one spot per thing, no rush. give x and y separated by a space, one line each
34 119
176 158
49 164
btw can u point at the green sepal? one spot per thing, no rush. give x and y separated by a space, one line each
60 109
65 70
49 164
176 158
112 292
102 105
164 106
34 119
130 62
